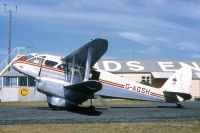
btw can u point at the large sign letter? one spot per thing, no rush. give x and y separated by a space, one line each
111 66
134 66
166 66
194 67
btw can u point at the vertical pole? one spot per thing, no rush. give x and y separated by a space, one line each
17 81
27 81
10 33
9 36
1 81
199 89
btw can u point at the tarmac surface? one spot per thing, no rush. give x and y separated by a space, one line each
152 112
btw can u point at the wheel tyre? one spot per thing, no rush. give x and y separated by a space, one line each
53 107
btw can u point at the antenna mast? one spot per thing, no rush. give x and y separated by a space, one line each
10 12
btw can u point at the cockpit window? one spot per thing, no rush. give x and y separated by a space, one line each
29 57
36 60
42 57
50 63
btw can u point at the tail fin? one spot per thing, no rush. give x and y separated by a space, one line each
178 85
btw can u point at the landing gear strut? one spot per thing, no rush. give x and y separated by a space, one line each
91 106
179 105
90 102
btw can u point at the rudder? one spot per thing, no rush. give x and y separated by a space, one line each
177 87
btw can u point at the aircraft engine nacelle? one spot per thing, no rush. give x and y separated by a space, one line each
49 86
57 94
56 102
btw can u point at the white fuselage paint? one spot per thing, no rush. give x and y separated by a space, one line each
113 85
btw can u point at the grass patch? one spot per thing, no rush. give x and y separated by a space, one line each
115 102
111 102
148 127
23 103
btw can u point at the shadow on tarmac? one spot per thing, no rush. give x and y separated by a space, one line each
89 111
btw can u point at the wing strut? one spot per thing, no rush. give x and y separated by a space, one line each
73 65
88 62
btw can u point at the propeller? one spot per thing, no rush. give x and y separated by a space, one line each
37 79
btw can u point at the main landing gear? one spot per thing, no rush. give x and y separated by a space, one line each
179 105
53 107
91 106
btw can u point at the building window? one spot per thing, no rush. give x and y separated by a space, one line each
146 80
9 81
31 81
22 81
13 81
143 79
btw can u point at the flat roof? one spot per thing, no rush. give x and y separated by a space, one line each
162 69
159 69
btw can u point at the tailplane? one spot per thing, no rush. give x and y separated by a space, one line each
177 87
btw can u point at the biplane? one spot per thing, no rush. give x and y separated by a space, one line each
71 80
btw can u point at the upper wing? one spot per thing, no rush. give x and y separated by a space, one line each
88 87
99 47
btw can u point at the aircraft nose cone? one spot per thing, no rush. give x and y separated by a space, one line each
14 65
17 66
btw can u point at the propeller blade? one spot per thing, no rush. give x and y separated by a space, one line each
39 73
37 80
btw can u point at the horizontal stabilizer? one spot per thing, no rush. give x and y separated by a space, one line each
176 96
88 87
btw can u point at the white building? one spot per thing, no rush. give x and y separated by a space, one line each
16 86
154 73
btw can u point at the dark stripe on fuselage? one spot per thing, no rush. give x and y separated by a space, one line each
101 80
156 95
111 83
38 65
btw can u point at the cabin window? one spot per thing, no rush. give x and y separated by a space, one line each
62 66
50 63
22 81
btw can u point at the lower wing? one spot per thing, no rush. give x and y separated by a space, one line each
88 87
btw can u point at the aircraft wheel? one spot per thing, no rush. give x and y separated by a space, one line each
53 107
91 107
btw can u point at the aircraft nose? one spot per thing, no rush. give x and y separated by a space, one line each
17 66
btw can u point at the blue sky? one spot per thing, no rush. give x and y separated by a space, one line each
135 29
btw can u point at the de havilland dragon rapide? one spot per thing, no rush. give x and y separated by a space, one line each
71 80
